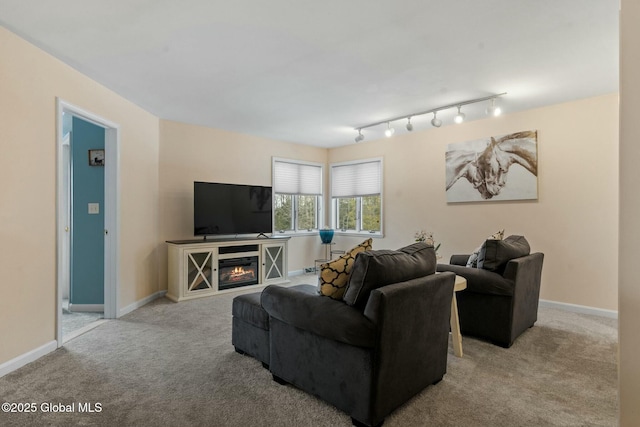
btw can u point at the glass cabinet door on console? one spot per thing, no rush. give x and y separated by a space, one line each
274 266
201 271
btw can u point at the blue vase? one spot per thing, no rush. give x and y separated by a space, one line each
326 235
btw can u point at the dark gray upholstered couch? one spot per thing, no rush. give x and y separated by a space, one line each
250 330
370 353
502 294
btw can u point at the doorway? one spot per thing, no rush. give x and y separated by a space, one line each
87 219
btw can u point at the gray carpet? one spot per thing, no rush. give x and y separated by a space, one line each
169 364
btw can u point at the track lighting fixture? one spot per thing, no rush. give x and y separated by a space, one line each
459 118
409 125
492 110
436 122
390 131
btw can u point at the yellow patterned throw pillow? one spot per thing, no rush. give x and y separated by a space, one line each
334 275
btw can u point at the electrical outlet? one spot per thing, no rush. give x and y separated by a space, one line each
94 208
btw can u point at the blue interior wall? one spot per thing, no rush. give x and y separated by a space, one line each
87 230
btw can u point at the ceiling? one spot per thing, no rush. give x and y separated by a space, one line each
311 71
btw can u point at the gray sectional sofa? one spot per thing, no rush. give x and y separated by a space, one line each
369 353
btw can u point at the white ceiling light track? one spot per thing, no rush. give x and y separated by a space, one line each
492 110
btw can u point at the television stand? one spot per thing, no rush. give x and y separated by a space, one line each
194 265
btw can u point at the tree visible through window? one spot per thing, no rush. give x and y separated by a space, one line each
283 212
358 213
287 205
370 210
346 213
307 212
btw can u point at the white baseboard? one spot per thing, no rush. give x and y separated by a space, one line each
613 314
86 328
93 308
28 357
128 309
296 272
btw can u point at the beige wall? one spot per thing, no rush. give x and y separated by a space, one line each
30 81
574 203
192 153
574 221
629 316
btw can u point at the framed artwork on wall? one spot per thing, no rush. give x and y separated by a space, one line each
96 157
496 168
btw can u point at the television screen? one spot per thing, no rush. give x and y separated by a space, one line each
231 209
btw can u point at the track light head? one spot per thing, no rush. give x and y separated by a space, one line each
459 118
409 125
492 109
360 136
436 122
390 131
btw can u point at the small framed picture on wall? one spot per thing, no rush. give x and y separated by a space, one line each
96 157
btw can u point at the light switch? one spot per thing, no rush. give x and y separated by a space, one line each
94 208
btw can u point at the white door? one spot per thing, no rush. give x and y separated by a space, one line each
112 132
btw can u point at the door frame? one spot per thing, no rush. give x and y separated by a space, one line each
111 210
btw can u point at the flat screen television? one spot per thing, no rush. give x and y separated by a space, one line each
227 209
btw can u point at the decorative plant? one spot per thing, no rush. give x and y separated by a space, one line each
421 236
427 237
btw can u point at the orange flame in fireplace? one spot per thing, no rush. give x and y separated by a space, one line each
239 273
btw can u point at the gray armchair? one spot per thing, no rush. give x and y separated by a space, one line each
370 355
498 305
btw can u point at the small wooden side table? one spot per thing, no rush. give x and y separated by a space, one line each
456 336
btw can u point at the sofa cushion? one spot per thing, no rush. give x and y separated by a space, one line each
302 307
334 275
481 281
473 258
495 254
247 308
374 269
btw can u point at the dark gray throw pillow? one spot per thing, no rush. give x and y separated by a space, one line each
374 269
495 254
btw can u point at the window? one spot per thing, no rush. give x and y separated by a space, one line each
297 196
356 196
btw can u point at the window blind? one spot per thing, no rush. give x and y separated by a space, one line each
290 177
356 179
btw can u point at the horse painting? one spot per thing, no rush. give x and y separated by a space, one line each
485 165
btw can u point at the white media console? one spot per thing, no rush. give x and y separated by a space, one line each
200 268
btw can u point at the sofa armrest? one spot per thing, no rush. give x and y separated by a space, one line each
526 273
480 280
529 266
412 320
459 259
318 314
